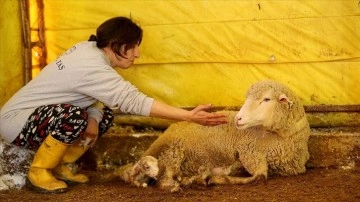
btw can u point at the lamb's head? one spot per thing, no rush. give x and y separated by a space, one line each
149 166
271 105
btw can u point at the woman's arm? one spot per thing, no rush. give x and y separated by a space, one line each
197 115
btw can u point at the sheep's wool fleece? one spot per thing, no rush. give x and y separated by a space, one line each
189 146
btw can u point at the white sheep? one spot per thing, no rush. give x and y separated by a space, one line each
269 135
137 174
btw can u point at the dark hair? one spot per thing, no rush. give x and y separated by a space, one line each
118 31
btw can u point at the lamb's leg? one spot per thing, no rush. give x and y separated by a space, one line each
121 173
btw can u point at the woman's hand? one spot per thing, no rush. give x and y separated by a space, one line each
198 115
90 135
201 116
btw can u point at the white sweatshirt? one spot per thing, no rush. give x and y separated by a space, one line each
81 76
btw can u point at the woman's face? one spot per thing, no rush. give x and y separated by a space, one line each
128 57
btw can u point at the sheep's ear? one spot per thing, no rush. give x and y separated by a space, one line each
284 99
136 169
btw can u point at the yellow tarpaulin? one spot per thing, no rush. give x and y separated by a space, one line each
201 51
211 51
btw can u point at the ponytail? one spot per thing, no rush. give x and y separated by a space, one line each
92 38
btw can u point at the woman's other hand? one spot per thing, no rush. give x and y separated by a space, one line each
90 135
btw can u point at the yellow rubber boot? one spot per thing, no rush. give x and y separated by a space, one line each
64 172
47 157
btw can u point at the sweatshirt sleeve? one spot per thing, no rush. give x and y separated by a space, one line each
107 86
96 111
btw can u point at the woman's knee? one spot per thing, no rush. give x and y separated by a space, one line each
71 123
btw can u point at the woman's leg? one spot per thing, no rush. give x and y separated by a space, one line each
63 170
54 128
62 121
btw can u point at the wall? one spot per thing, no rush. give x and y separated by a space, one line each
210 51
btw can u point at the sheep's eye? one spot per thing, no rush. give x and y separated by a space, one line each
265 100
147 167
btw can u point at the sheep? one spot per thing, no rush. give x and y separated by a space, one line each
268 136
138 174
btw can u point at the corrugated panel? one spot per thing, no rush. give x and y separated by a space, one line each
330 83
211 51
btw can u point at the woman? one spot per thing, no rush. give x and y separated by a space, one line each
60 114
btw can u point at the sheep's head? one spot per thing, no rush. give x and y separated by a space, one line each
268 104
149 166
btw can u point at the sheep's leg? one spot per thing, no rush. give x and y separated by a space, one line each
223 179
197 179
170 162
296 165
200 178
166 182
257 167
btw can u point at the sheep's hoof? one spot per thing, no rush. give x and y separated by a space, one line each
260 179
216 179
175 189
169 184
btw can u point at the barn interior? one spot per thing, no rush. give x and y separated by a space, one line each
197 52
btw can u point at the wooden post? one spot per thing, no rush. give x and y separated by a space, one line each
24 5
41 34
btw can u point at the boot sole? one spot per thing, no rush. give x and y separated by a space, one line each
43 191
70 182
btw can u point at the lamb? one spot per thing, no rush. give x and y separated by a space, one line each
268 136
138 174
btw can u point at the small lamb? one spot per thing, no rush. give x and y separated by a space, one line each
269 135
137 174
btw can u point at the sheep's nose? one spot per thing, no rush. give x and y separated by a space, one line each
237 121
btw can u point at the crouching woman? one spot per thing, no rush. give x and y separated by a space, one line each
61 134
57 112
